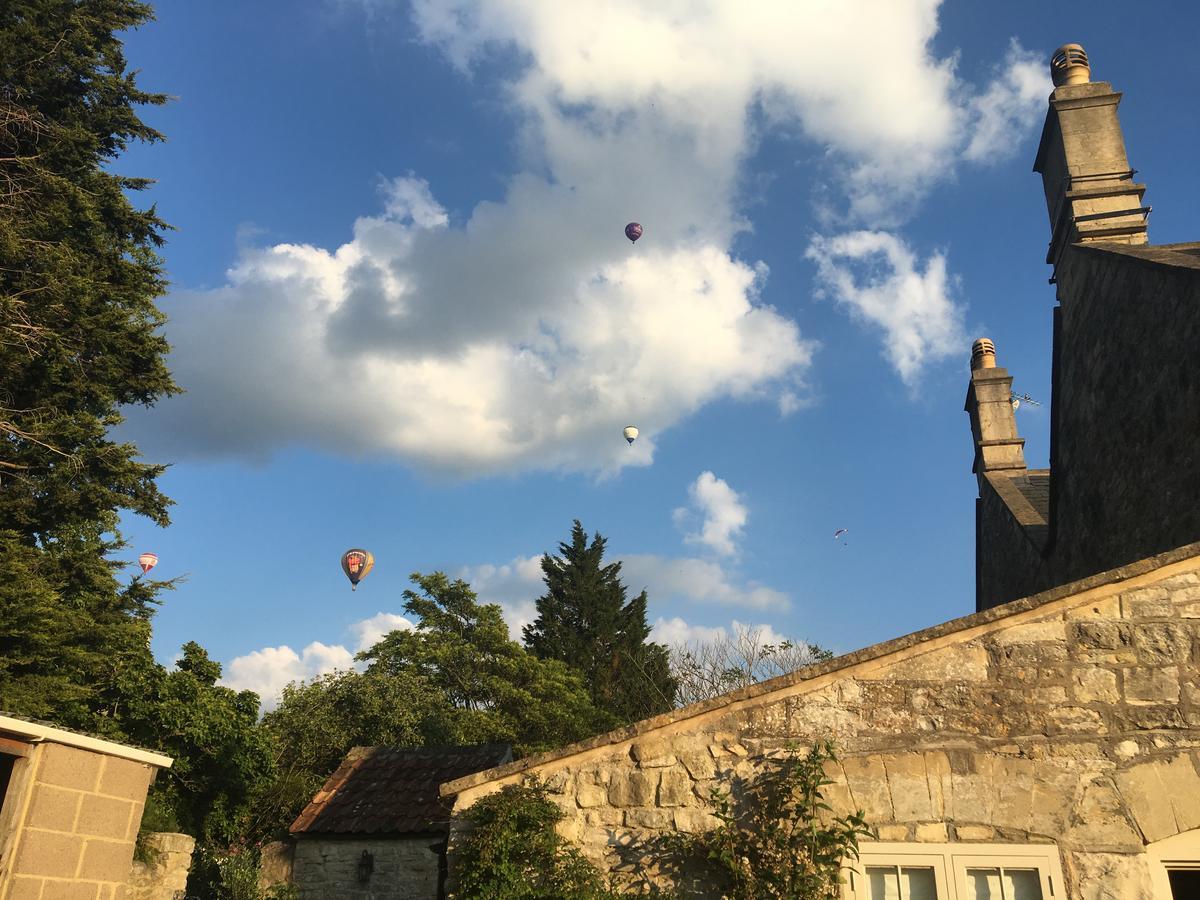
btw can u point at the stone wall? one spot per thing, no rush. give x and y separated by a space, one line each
1125 455
275 864
163 876
1008 558
404 868
1072 717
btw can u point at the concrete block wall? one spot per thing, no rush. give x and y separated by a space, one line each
74 831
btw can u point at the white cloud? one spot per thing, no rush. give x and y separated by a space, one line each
722 513
370 632
1009 108
514 586
690 580
529 335
675 631
269 670
876 275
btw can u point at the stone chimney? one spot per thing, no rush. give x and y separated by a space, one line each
993 423
1090 191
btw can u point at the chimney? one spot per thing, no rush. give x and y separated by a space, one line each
993 423
1090 191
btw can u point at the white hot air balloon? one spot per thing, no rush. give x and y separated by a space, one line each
631 433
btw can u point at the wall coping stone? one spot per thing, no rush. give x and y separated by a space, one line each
36 732
808 673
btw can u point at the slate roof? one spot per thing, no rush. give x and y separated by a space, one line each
1035 487
393 790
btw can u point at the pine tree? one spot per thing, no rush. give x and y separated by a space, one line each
585 621
79 339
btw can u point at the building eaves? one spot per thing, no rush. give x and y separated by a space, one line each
32 731
818 670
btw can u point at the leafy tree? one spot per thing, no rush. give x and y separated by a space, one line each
316 724
493 688
512 852
585 621
220 754
78 340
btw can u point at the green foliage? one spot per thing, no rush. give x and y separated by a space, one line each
780 840
78 340
512 852
493 690
316 723
585 621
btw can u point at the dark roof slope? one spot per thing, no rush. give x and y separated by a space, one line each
393 790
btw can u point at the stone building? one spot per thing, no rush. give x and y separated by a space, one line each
377 829
72 805
1048 745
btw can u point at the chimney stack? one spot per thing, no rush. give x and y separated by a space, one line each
1090 191
993 422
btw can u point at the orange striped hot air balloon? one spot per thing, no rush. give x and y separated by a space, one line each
357 564
148 561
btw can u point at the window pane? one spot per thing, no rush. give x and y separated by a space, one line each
1011 884
883 883
919 884
907 883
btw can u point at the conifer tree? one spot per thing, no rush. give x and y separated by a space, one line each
585 621
79 339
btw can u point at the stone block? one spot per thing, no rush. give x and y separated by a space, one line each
591 795
106 817
106 860
869 787
932 833
69 767
1156 790
675 788
1152 685
1188 610
656 819
1051 695
1013 780
965 663
694 821
53 808
558 782
1105 608
699 763
125 778
49 853
1149 602
937 773
1109 876
974 832
1102 635
652 752
1031 632
603 817
1100 821
896 833
632 788
909 786
1092 684
1163 642
1074 720
71 890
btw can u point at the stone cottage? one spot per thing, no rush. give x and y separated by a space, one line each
1048 745
72 805
377 829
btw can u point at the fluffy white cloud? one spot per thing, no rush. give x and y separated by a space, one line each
676 631
721 511
369 632
690 580
514 586
1009 108
879 279
269 670
477 348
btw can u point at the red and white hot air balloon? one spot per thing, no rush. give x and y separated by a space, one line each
148 561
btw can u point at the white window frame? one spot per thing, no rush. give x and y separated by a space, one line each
1180 852
950 863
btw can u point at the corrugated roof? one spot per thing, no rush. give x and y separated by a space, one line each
393 790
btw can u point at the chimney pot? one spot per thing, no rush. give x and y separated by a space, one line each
983 354
1069 65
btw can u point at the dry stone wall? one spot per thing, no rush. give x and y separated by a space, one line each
1073 720
163 876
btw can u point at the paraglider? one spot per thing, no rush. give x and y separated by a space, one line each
357 564
633 231
837 534
148 561
631 433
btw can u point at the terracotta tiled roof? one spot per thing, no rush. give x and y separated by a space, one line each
393 790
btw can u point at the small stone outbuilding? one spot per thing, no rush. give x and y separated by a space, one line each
377 829
72 805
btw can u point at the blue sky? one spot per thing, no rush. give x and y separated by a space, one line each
406 317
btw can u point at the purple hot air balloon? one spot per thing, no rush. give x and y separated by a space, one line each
633 231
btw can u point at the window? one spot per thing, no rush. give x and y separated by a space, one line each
1175 866
887 871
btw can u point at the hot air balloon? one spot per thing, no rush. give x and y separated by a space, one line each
633 231
148 561
631 433
357 564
